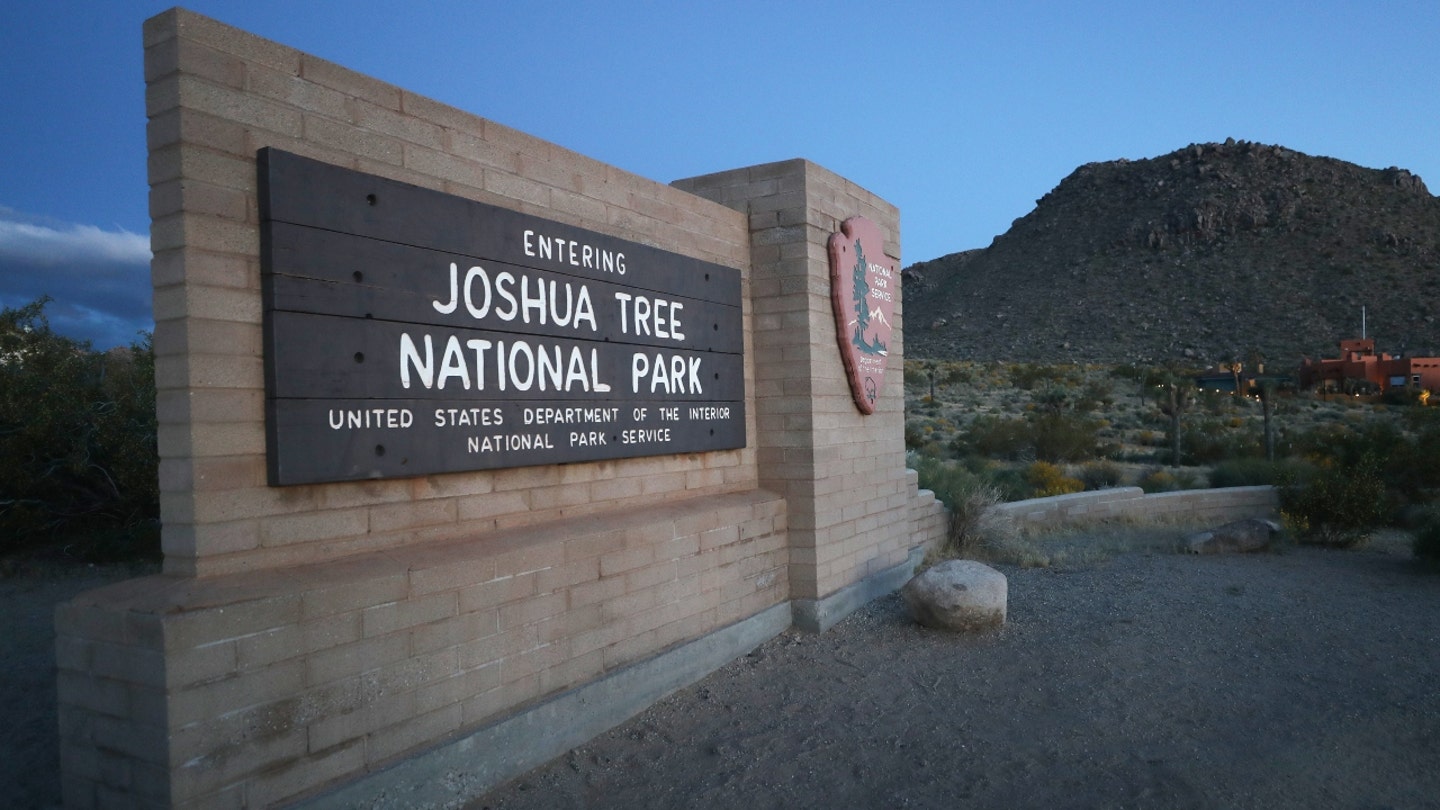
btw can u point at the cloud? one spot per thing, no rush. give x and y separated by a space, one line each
99 279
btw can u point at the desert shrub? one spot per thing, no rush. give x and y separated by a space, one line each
1426 544
1100 475
1158 480
975 522
1027 376
1047 479
1253 472
1063 436
1097 394
77 435
995 437
955 374
914 436
917 374
1048 436
1339 506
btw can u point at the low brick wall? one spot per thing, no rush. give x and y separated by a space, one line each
280 683
1227 503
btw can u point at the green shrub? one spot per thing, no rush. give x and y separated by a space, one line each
1101 475
1339 506
974 521
995 437
1254 472
1063 436
77 436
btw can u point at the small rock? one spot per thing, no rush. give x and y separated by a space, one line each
959 595
1251 534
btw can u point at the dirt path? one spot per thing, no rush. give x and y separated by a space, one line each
1303 679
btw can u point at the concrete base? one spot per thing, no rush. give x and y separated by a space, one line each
819 615
468 767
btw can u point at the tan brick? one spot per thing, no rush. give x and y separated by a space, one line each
349 82
565 576
213 699
346 137
319 768
415 732
497 592
479 507
457 689
294 91
385 619
618 562
344 729
531 610
463 629
449 574
348 660
283 530
392 517
296 640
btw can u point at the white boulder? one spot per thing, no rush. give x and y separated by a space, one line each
959 595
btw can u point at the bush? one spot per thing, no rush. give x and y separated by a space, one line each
1162 480
77 435
975 523
994 437
1047 480
1063 437
1427 537
1101 475
1254 472
1158 480
1337 507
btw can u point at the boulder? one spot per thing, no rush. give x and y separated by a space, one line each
1251 534
959 595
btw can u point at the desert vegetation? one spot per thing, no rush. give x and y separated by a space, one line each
77 436
980 433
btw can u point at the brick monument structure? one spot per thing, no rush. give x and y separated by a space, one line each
397 630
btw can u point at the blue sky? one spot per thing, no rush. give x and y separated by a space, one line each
961 113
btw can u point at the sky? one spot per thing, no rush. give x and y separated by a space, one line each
961 113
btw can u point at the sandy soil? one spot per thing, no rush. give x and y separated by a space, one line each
1306 678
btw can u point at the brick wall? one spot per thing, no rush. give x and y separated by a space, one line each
307 637
214 96
1226 503
842 472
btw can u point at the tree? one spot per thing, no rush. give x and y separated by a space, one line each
1175 394
77 435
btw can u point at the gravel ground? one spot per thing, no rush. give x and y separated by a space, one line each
1306 678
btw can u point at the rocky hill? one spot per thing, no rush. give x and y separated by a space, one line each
1209 252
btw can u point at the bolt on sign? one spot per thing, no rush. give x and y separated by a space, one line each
863 287
411 332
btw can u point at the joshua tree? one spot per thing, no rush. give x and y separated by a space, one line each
1267 411
1175 395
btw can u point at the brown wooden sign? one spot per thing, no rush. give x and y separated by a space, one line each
864 283
411 332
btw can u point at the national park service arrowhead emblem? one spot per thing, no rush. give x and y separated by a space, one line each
863 288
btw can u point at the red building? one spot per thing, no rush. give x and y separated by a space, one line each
1360 367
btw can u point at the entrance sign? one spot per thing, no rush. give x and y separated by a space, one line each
862 289
411 332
